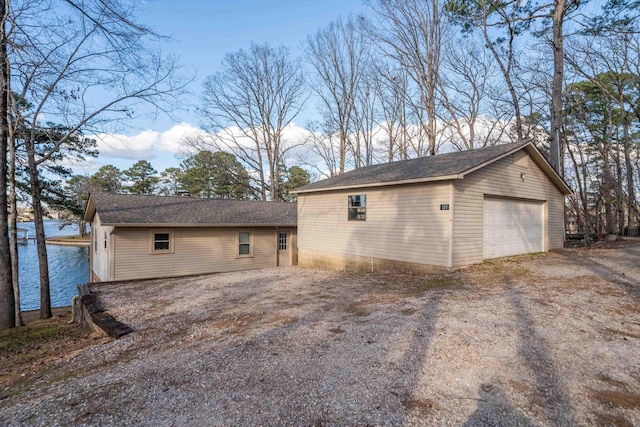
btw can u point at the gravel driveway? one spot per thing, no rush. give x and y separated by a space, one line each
550 339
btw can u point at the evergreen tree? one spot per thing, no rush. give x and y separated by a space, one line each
169 184
296 177
108 179
144 178
214 174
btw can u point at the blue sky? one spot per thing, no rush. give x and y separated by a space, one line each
202 33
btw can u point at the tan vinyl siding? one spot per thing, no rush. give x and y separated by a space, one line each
195 251
503 179
403 223
100 257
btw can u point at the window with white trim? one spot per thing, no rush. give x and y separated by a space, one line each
161 241
357 207
245 246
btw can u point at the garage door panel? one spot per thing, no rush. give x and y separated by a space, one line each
512 227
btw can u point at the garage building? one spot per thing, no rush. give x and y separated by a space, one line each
434 213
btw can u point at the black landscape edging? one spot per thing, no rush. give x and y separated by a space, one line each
99 316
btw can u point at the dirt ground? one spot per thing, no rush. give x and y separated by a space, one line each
547 339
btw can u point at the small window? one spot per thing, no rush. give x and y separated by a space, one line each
358 208
105 240
244 244
161 241
95 240
282 241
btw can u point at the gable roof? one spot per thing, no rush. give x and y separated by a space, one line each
432 168
131 210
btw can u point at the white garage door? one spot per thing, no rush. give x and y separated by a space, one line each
512 227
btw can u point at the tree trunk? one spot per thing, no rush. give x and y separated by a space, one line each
585 199
632 211
582 194
7 303
506 73
38 220
608 187
619 192
13 226
13 203
556 87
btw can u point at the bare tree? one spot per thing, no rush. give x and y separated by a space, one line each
364 121
322 145
611 64
248 106
13 224
86 66
490 17
470 95
392 87
410 33
513 19
338 54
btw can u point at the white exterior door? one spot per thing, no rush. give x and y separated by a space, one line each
284 249
512 227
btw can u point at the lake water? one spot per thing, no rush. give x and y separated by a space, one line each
68 267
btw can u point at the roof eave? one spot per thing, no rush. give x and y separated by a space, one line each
89 210
193 225
382 184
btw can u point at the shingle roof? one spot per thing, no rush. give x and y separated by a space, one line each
129 209
441 165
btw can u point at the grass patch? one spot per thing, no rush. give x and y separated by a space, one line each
415 284
421 285
440 282
508 267
17 339
27 351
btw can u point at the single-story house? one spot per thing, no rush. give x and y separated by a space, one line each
143 236
433 214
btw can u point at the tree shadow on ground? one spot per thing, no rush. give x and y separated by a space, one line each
335 360
600 269
494 409
413 359
535 352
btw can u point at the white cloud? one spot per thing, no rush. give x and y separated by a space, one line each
84 167
171 140
138 146
146 144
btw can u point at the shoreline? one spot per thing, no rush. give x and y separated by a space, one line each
32 316
74 240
